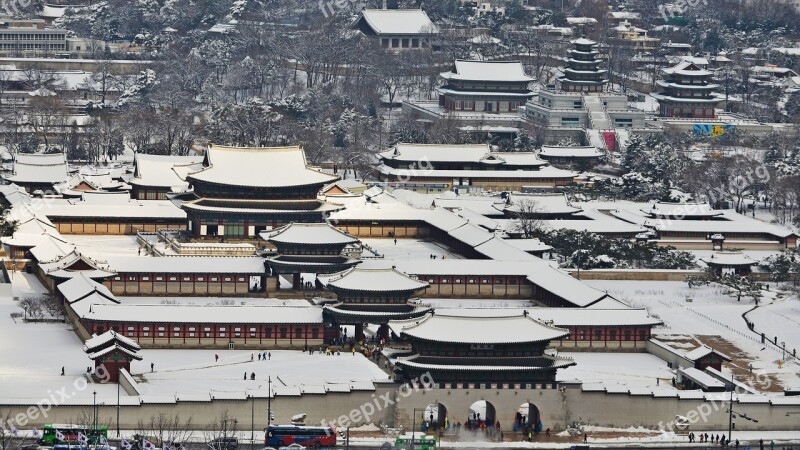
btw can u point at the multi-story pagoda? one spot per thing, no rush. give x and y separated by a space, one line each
240 192
316 248
687 91
480 349
579 106
374 296
582 72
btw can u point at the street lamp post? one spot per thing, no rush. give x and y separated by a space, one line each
414 424
118 409
94 410
269 401
252 421
731 412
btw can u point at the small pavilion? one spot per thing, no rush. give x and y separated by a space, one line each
374 296
730 262
113 352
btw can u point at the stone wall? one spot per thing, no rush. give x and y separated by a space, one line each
558 408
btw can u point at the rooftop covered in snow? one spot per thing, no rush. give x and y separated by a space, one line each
509 329
487 71
39 168
161 170
258 167
375 280
308 234
394 22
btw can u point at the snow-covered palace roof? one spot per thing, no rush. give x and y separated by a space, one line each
554 151
376 280
395 21
516 329
161 170
277 167
728 259
497 71
39 168
309 234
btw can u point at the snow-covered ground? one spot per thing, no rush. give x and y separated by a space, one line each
33 354
713 313
408 249
196 371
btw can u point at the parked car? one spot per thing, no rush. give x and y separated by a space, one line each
224 443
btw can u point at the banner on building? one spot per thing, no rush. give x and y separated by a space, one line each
714 130
610 139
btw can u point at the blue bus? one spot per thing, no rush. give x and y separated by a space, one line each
283 435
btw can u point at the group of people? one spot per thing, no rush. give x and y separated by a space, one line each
713 438
306 285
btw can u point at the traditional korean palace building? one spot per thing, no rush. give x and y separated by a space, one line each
38 172
111 213
480 349
397 29
496 86
80 183
315 248
38 247
155 176
375 296
111 353
697 226
729 262
687 91
239 192
372 296
433 168
483 96
93 310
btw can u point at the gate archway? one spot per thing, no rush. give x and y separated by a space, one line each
436 416
528 418
482 415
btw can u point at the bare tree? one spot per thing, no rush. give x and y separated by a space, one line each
53 306
528 217
32 307
46 115
162 429
10 437
221 431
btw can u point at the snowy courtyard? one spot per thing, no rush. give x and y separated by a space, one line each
691 313
33 354
407 249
